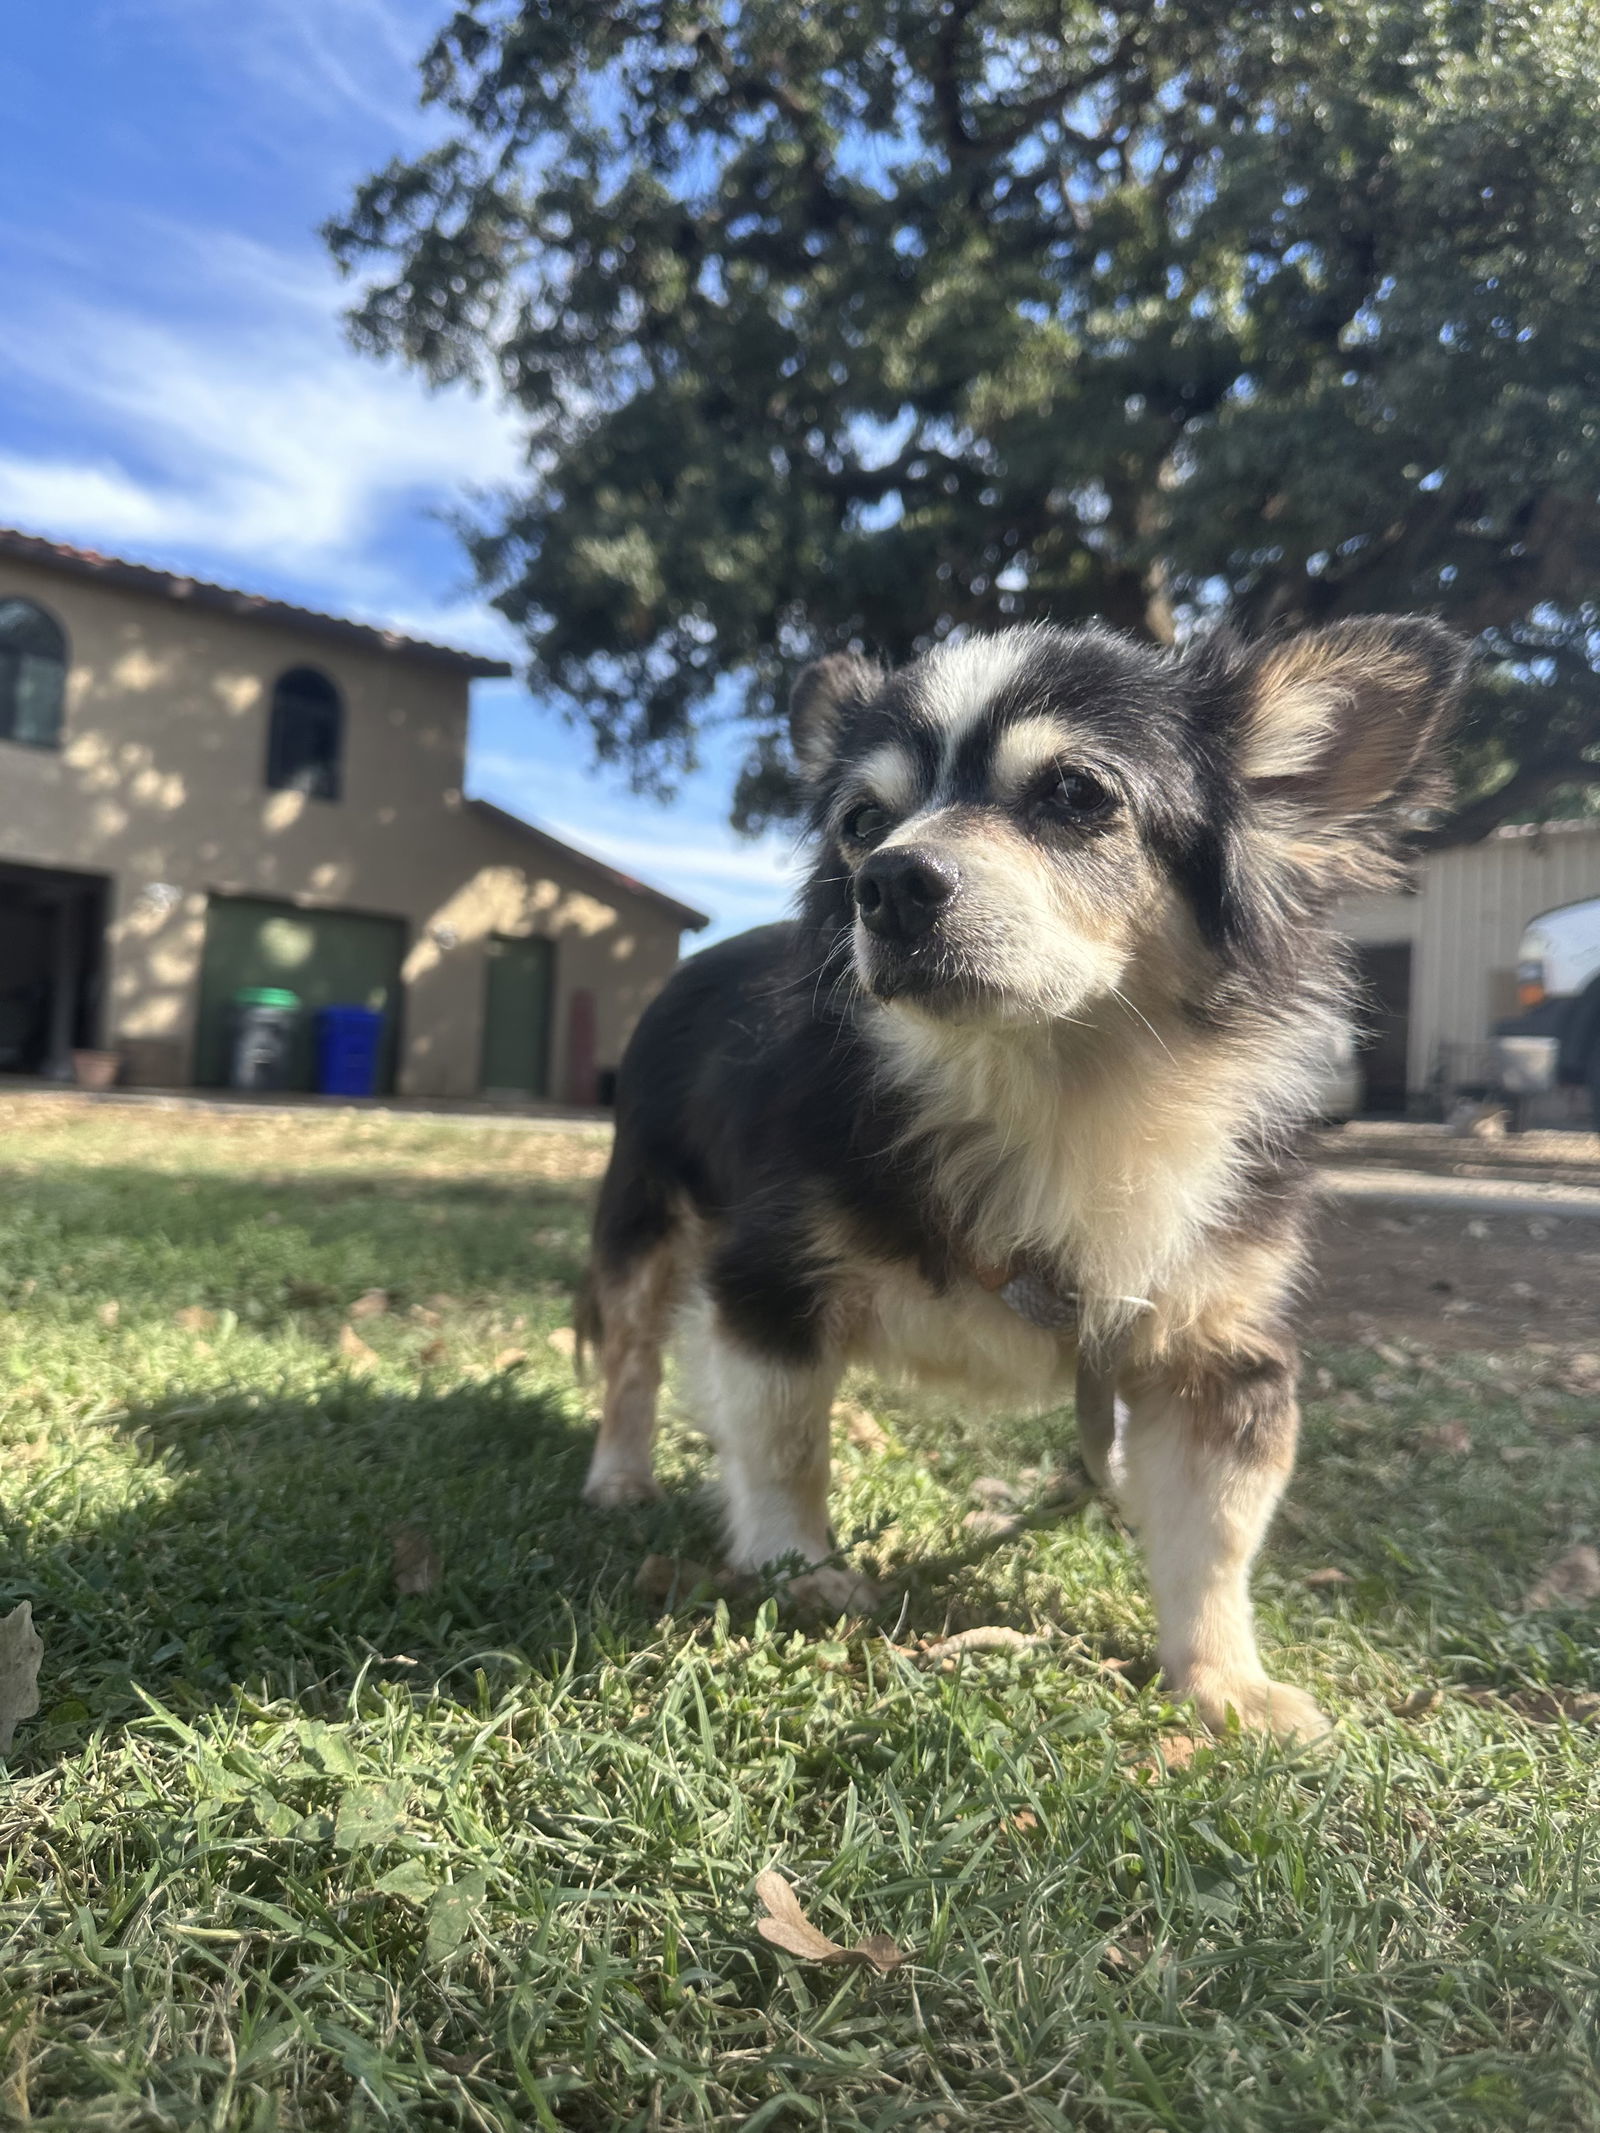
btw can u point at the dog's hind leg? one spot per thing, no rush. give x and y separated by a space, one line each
768 1418
630 1311
1206 1453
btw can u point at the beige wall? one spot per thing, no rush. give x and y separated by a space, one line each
159 784
1464 924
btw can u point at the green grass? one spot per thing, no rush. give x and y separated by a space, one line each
285 1849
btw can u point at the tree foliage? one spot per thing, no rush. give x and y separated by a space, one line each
864 321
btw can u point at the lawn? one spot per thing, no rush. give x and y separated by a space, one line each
291 1846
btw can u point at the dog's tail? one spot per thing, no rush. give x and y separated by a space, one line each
588 1322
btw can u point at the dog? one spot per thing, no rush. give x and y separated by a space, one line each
1017 1100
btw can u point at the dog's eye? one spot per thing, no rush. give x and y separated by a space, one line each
864 823
1077 796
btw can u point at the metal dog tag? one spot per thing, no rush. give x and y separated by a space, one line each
1040 1302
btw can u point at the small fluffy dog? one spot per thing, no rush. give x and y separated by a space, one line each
1017 1096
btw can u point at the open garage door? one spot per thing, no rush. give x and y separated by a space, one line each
326 958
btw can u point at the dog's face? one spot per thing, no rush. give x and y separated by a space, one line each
1015 827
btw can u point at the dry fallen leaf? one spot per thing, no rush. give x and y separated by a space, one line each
564 1341
989 1637
1173 1751
861 1429
109 1313
993 1493
1024 1821
1448 1437
991 1525
355 1350
660 1577
434 1352
416 1563
194 1318
21 1649
1417 1704
1541 1706
422 1315
1570 1581
1332 1575
510 1359
373 1303
787 1927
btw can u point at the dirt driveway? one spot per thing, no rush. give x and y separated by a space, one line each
1459 1243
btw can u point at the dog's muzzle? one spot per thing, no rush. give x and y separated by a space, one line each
902 893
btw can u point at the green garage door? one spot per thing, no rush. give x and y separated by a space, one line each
516 1017
328 958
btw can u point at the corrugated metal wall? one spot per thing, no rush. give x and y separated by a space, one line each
1464 923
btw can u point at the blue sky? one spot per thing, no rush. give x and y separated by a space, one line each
175 387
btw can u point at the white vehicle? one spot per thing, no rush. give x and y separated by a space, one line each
1555 1040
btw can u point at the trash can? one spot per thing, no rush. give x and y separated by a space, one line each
262 1051
347 1051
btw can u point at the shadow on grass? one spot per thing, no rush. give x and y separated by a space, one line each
255 1551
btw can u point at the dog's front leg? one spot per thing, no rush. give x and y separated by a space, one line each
1207 1449
768 1417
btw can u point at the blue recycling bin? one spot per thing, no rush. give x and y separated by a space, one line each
348 1039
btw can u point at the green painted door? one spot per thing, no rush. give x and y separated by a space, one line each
327 958
516 1016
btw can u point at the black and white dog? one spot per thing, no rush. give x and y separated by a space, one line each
1018 1094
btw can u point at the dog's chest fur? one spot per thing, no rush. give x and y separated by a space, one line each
1110 1170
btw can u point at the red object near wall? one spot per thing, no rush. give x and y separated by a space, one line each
583 1079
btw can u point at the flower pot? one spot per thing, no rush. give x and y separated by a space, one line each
95 1070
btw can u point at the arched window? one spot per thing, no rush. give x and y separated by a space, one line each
305 743
33 674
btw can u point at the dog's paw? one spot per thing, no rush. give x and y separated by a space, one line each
610 1488
833 1592
1260 1705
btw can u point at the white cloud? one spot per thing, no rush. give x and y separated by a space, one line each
252 433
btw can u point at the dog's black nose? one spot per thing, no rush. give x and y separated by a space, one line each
901 893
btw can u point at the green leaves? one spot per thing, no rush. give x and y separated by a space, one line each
869 323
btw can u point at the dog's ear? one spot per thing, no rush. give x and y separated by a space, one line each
823 695
1342 720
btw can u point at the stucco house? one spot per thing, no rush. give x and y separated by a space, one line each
202 790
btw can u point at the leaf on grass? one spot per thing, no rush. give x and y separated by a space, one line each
409 1879
1542 1707
1571 1580
273 1816
510 1359
1024 1822
660 1578
370 1815
1132 1952
194 1318
1417 1705
417 1567
330 1751
564 1341
355 1350
450 1915
787 1927
371 1303
433 1354
1173 1751
990 1637
861 1429
991 1525
422 1316
109 1313
21 1649
994 1494
1448 1437
1332 1575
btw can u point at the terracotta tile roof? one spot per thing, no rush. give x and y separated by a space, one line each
20 547
613 877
